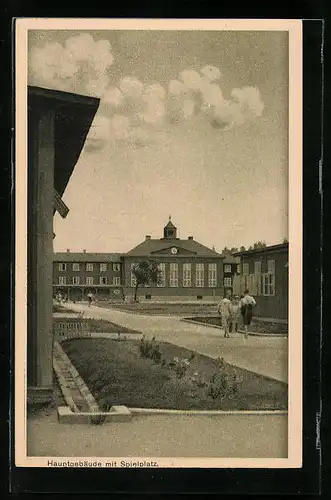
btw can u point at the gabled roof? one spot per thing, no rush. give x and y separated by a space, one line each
86 257
170 225
272 248
74 114
149 246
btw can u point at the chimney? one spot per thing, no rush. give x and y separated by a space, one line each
84 250
68 250
190 238
148 237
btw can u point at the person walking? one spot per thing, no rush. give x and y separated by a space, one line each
89 298
247 304
224 311
234 314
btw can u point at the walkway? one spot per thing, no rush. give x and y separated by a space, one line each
244 436
264 355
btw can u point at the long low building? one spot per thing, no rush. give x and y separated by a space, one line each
264 271
188 271
75 274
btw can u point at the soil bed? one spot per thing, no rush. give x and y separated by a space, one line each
257 326
116 373
162 309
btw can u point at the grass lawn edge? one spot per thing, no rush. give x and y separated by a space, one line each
253 334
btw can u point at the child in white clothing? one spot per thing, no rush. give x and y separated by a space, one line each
234 314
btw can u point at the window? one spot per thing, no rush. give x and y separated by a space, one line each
271 266
103 267
252 284
173 279
76 280
238 268
227 268
199 275
116 280
62 280
89 267
161 280
268 284
212 276
133 278
257 267
62 267
227 282
89 280
245 269
257 273
116 267
102 280
186 274
75 267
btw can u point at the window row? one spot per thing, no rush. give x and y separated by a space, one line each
258 267
228 268
186 275
89 280
260 283
89 266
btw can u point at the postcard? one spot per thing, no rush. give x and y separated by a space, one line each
158 297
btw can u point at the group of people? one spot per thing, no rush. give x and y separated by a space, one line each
61 299
230 310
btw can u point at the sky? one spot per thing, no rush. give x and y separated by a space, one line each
190 123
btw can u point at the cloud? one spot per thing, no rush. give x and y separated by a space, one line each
113 97
249 99
211 73
80 65
191 79
131 87
197 91
177 88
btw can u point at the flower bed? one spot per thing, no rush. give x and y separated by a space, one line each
164 375
163 309
100 325
257 326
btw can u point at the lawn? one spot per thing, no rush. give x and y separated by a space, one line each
257 326
116 373
180 309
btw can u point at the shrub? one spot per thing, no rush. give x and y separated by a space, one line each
149 349
155 353
224 382
180 366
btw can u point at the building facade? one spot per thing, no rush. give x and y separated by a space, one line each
75 274
264 271
231 270
188 269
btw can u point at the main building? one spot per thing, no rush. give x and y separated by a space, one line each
188 270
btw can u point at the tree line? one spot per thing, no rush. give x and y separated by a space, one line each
258 244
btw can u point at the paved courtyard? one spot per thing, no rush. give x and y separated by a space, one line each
264 355
233 436
244 436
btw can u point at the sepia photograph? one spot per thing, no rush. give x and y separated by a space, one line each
158 243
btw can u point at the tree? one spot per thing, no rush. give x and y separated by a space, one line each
234 249
145 273
259 244
242 248
285 240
